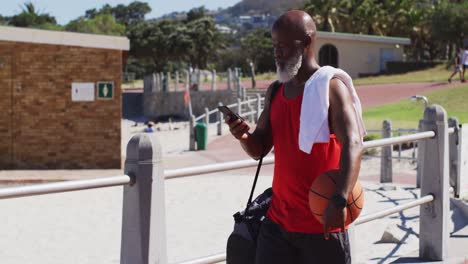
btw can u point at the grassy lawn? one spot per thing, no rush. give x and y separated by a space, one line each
406 113
134 84
436 74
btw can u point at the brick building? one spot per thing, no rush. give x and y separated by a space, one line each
60 99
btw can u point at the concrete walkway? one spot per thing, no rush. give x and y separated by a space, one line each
84 227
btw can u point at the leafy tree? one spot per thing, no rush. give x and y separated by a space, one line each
151 42
3 20
196 13
30 17
450 24
101 24
124 14
258 48
206 41
324 13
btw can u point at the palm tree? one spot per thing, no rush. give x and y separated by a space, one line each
30 17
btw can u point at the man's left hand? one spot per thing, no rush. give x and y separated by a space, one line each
333 217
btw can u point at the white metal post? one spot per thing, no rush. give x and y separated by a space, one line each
453 155
168 81
154 83
239 106
207 116
213 80
143 220
159 81
433 225
386 157
420 158
463 161
237 82
176 80
192 133
229 77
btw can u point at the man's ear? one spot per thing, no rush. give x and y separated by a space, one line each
308 40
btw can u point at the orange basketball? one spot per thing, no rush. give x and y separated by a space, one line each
322 190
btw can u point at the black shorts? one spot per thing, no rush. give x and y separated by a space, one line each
275 245
465 66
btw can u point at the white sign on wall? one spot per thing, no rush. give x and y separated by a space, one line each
82 92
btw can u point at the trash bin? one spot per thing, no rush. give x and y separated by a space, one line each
201 135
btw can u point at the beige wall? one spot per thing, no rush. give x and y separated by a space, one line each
357 57
40 126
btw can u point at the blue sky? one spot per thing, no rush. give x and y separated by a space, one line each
66 10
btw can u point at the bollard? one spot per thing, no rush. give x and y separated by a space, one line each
259 106
143 214
434 216
192 133
213 80
386 169
219 116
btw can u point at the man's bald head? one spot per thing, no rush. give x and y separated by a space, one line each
297 23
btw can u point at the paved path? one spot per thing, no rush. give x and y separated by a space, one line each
84 227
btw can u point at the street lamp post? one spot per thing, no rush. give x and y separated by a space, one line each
420 98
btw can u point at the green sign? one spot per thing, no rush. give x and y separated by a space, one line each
105 90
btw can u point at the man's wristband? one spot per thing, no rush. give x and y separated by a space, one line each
339 200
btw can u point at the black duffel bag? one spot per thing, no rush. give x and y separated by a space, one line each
242 243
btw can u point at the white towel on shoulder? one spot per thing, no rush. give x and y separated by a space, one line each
315 103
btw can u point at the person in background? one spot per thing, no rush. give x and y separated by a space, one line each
150 127
464 62
457 66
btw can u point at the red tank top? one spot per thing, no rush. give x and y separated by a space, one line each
295 170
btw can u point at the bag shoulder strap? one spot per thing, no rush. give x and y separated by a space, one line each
276 85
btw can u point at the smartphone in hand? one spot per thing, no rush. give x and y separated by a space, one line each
228 112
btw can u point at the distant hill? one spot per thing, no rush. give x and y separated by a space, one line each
272 7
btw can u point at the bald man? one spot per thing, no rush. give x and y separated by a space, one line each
290 233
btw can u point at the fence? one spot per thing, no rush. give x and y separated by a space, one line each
143 225
167 82
252 107
457 153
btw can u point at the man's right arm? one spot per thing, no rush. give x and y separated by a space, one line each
260 142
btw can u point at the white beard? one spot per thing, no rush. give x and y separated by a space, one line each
290 69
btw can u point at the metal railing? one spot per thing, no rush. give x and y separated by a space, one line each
143 225
59 187
253 114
